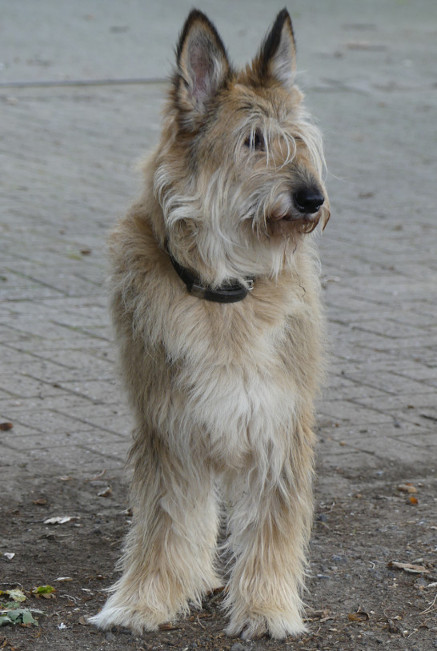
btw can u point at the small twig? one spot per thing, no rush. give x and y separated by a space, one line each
430 607
98 476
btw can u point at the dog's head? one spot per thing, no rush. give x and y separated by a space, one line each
239 168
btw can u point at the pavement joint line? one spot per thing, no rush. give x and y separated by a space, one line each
53 83
103 428
36 356
20 274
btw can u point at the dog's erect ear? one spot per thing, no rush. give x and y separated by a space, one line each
202 64
276 59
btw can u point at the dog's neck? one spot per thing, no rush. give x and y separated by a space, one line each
230 292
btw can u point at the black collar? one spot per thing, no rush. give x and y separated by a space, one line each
228 293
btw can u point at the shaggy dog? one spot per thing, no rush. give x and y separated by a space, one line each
215 301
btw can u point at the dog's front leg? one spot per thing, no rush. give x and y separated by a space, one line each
169 551
269 529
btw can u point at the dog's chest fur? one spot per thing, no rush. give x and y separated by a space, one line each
239 373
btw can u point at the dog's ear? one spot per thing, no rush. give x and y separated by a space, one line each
276 60
202 65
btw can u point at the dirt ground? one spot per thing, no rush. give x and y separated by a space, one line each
357 597
369 72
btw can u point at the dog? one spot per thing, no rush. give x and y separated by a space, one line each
215 302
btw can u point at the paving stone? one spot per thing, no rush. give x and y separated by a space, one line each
70 154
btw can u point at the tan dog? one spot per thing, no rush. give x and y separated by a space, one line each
215 303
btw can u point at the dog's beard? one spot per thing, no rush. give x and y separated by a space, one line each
292 225
279 219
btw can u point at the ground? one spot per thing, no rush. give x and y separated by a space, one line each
80 99
356 598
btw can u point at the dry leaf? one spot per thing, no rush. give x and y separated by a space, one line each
98 476
106 492
60 519
9 555
359 616
407 488
4 427
15 594
408 567
168 627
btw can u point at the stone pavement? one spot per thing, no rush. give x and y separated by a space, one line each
68 155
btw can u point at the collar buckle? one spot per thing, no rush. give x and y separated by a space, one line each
197 290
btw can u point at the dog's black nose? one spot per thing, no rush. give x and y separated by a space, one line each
308 200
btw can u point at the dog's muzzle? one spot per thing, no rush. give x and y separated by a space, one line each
306 210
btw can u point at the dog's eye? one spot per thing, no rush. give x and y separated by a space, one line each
255 141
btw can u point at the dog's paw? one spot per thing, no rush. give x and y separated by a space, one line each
136 619
278 626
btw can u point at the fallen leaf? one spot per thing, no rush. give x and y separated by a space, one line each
46 591
407 488
413 500
319 615
61 519
168 627
40 501
98 476
359 616
9 555
27 618
106 492
5 619
15 594
16 616
408 567
4 427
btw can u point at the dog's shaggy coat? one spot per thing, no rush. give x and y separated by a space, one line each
222 393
